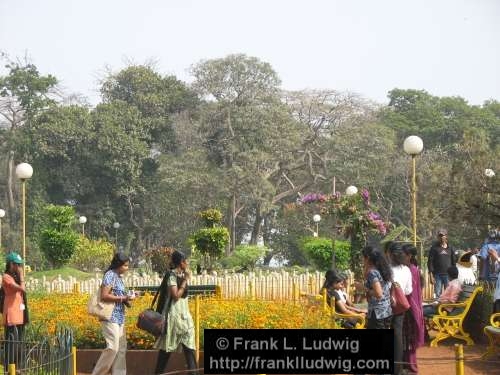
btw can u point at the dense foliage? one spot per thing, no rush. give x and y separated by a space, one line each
157 151
323 255
245 257
58 239
92 255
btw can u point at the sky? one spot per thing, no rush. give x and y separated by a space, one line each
446 47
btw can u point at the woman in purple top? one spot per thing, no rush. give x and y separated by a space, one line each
413 324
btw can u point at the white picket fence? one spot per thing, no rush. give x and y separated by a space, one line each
267 285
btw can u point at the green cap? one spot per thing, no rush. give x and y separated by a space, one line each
14 258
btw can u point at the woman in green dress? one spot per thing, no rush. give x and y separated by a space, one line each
173 303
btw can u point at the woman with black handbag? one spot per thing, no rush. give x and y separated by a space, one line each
173 303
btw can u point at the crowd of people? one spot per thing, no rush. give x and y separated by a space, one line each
448 271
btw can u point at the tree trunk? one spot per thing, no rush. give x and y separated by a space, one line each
232 225
257 225
10 190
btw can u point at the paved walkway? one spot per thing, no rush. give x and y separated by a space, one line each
441 361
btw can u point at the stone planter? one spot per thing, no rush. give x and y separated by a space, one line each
139 362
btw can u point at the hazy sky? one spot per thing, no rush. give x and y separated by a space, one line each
447 47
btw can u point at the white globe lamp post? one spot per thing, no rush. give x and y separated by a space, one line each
490 173
351 190
82 220
413 145
24 171
116 225
316 219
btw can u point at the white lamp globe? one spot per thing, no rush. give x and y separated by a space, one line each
351 190
413 145
82 219
2 213
489 172
24 171
116 225
316 218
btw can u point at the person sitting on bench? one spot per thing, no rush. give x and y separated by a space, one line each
334 283
450 294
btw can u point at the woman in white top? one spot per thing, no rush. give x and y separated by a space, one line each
401 274
465 272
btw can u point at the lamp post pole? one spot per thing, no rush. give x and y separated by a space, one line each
413 146
317 219
490 174
350 191
414 198
82 220
2 214
24 171
116 225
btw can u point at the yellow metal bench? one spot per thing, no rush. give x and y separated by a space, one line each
360 318
493 333
452 325
321 299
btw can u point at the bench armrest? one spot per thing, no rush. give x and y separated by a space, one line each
442 307
361 320
495 319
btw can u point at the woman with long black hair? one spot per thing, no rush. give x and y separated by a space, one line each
402 275
173 303
413 325
113 289
378 278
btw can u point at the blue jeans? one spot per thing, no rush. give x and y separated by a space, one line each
440 283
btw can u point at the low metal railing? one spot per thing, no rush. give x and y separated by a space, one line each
50 355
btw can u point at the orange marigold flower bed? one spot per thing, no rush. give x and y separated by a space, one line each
50 310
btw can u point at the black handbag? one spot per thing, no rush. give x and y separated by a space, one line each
151 322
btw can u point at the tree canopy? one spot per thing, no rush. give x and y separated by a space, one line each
156 151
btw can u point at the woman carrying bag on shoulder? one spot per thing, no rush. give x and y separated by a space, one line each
173 303
113 289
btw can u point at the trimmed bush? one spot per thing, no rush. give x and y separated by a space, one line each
245 256
318 251
91 255
58 240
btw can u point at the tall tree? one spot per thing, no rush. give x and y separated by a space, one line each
24 93
250 133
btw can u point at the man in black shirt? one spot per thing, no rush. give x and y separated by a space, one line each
441 256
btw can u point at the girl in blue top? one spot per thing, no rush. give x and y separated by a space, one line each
378 278
113 289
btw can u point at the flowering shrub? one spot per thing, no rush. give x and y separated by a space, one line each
50 310
350 211
354 215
